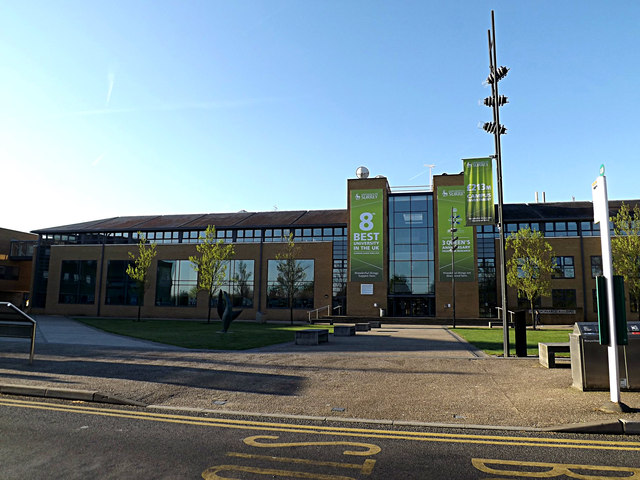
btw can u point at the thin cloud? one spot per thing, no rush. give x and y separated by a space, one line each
418 175
97 160
111 78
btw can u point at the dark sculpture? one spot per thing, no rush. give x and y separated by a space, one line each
226 313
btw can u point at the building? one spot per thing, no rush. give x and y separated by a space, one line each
16 255
386 250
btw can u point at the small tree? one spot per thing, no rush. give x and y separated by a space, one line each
291 273
625 249
211 264
242 279
530 265
139 270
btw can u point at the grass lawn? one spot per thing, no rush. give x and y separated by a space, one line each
489 340
199 334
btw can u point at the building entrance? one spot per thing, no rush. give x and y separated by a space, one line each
411 306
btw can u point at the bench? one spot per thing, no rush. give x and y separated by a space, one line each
312 336
14 323
344 330
363 327
374 323
547 353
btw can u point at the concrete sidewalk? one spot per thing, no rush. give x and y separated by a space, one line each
396 374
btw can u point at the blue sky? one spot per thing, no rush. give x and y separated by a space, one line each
113 108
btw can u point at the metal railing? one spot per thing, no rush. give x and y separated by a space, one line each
10 326
317 312
510 312
327 308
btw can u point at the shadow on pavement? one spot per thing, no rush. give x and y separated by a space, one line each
229 380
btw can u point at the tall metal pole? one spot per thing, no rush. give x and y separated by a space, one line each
493 65
601 216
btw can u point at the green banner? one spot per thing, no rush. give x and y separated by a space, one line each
478 181
451 201
366 235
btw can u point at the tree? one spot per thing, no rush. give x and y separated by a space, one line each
625 249
139 270
530 265
212 263
242 279
291 274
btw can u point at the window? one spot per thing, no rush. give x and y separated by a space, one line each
563 298
411 250
9 273
563 267
77 282
21 248
249 236
596 266
561 229
277 294
523 265
588 229
176 284
238 283
121 288
163 237
191 236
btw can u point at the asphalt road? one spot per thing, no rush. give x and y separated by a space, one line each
45 439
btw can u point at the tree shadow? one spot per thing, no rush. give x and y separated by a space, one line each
183 376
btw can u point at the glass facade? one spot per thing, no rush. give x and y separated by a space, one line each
411 256
487 286
238 283
176 284
121 288
77 282
302 284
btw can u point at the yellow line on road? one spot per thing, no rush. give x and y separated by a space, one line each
335 431
365 468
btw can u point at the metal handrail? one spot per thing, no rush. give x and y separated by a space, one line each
317 310
27 318
510 312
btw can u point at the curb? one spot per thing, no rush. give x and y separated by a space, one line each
67 394
614 427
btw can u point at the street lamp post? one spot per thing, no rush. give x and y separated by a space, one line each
496 101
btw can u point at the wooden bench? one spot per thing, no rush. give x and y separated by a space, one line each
547 353
14 323
312 336
344 330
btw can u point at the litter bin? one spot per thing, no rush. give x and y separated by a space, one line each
590 360
520 327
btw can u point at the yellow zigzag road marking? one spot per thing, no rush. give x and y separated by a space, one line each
336 431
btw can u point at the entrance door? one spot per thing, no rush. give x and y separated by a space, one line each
411 306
